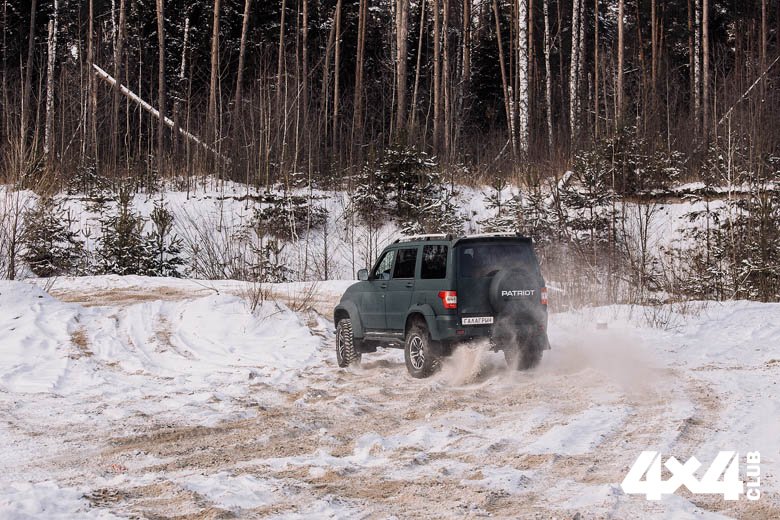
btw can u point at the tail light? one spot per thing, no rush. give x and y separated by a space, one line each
449 299
544 295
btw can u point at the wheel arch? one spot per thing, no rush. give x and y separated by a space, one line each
424 313
349 310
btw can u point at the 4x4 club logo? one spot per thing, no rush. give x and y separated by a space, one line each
525 292
725 465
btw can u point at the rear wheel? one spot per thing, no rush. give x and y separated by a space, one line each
524 356
420 353
347 352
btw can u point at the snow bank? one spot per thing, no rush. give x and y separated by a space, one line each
188 344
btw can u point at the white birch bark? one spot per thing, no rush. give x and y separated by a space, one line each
548 74
52 55
696 65
619 114
522 74
574 68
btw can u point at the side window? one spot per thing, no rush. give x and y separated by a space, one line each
434 262
405 263
382 269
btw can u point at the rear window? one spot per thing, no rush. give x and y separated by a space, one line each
481 260
405 263
434 262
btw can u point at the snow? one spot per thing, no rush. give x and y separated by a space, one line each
233 492
28 501
582 433
171 391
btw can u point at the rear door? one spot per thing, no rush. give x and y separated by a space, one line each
372 308
482 262
400 287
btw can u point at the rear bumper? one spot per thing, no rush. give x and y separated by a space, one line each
503 334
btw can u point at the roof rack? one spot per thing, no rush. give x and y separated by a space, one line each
518 235
433 236
496 234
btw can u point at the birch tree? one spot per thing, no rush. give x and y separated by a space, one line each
705 43
574 69
620 64
52 56
160 83
548 75
522 74
436 77
696 67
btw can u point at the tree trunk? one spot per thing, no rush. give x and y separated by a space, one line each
118 59
507 96
182 68
436 77
6 120
280 60
548 75
691 82
241 56
160 84
653 45
357 115
596 69
705 43
27 88
336 70
305 60
574 73
466 67
697 68
401 43
413 108
531 62
621 45
92 86
48 135
763 35
445 76
214 71
325 90
522 74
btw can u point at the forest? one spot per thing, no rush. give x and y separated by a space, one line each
634 98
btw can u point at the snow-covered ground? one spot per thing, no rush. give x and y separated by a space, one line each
160 398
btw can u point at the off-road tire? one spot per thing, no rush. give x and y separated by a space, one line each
347 352
524 357
420 352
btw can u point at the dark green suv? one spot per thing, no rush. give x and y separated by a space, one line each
427 293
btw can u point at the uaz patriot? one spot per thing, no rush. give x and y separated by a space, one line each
428 293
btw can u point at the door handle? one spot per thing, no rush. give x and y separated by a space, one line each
383 286
409 284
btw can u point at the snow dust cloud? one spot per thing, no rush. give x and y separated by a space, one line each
617 357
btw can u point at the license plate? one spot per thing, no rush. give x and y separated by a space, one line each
478 320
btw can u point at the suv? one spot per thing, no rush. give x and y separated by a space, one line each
427 293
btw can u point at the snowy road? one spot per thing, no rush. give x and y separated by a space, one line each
169 399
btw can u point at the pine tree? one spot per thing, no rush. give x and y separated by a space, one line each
506 210
51 248
122 248
165 244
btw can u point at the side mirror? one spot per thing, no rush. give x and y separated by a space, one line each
363 275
